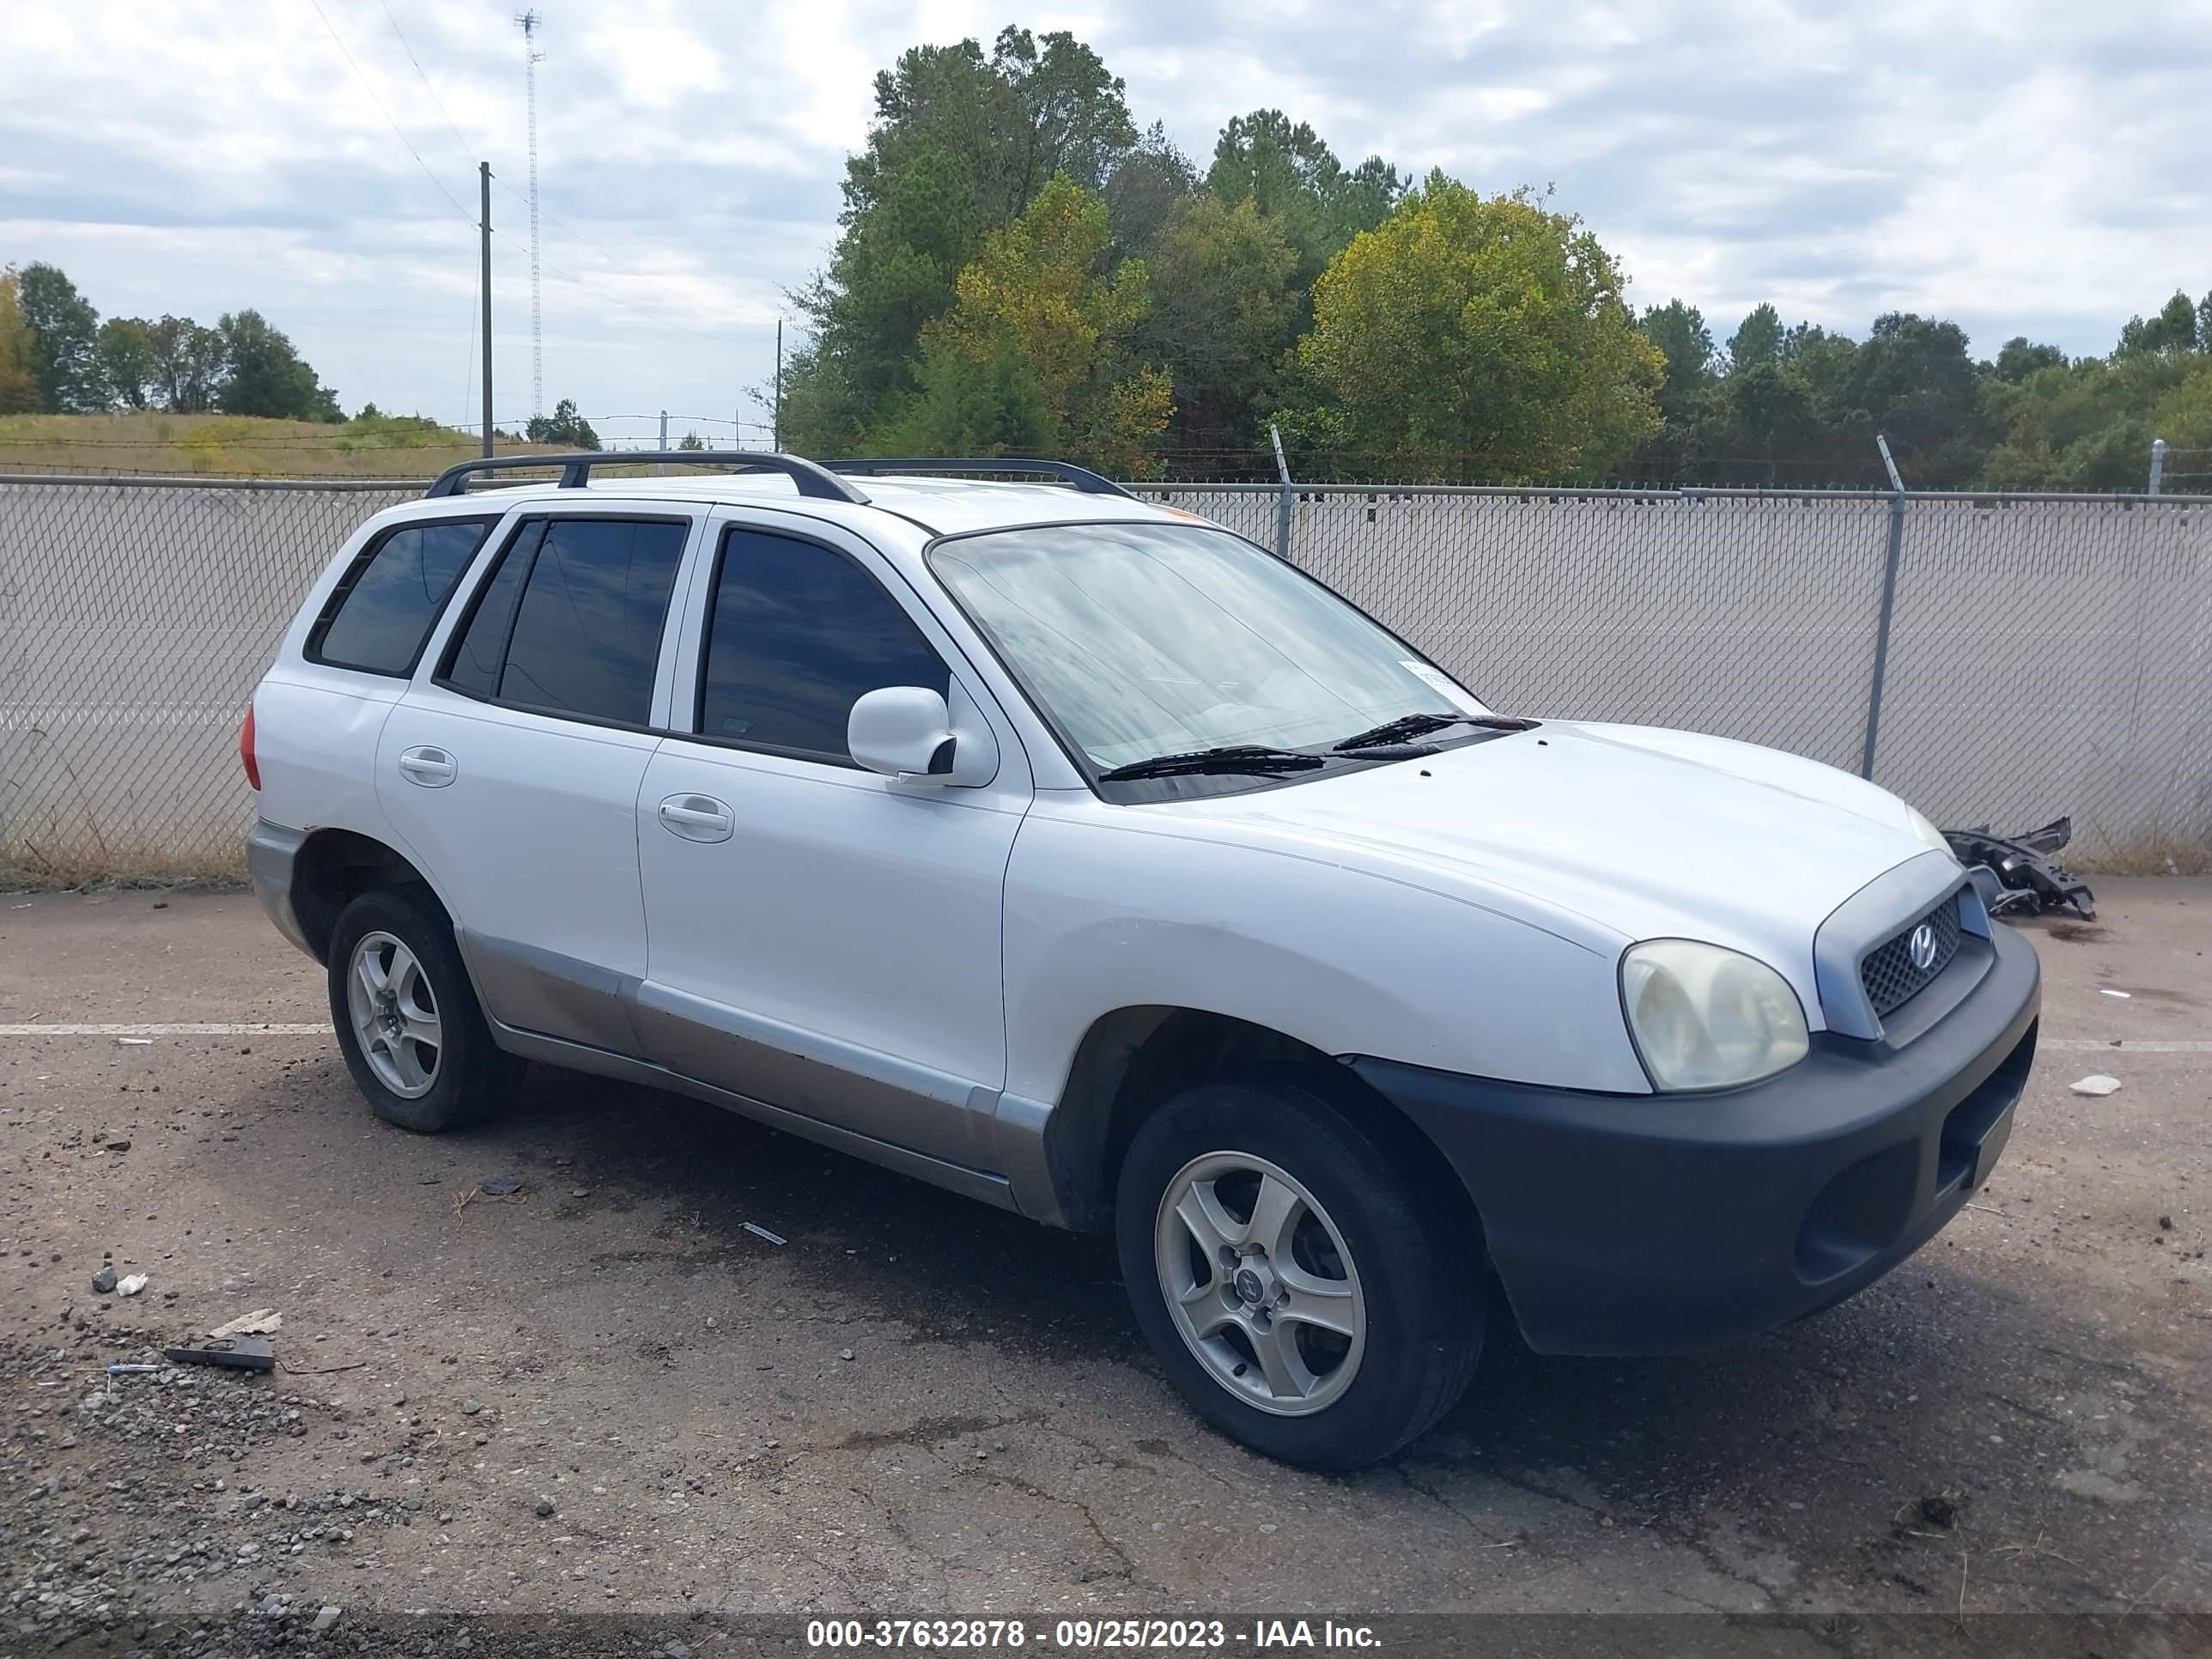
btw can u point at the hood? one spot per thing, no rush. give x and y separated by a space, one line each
1611 834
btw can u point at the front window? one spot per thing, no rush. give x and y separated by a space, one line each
1142 642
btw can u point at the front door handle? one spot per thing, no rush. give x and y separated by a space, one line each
697 817
428 765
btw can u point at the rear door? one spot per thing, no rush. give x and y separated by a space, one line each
511 769
824 938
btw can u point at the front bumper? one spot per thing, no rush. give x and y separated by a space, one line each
1657 1224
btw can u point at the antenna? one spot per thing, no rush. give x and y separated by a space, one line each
530 23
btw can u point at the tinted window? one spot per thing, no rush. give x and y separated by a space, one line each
381 612
797 636
587 603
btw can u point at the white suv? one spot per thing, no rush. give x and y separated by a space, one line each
1079 856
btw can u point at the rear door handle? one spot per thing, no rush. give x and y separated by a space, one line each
697 817
431 767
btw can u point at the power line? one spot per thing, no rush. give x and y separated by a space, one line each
396 131
426 87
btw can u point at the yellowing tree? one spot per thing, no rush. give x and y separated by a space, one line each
19 377
1033 308
1472 337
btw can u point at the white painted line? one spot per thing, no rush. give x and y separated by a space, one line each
187 1029
2091 1046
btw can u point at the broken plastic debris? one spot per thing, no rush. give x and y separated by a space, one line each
759 1232
131 1286
132 1370
2096 1084
242 1353
500 1186
2106 990
136 1042
262 1321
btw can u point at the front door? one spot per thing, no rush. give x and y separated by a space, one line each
823 938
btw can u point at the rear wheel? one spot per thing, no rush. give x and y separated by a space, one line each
1306 1291
407 1018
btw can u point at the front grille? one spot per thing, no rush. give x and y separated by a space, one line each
1887 973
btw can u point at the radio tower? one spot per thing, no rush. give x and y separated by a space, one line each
530 23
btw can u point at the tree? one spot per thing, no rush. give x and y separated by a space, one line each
1473 336
1758 338
1225 311
564 426
1036 296
2018 359
19 371
189 364
1148 187
126 360
1286 170
64 351
967 404
265 376
691 440
2174 329
1679 332
1912 382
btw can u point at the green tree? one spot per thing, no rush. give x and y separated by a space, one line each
1912 381
265 375
691 440
64 341
1148 187
564 426
1471 337
967 404
2019 358
1285 169
126 360
1679 332
1758 338
1225 312
1037 294
2173 328
189 364
19 369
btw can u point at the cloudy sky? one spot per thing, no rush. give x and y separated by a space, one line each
2025 167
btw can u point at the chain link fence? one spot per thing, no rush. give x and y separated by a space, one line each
2045 655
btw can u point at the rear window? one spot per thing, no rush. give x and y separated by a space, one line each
571 622
381 613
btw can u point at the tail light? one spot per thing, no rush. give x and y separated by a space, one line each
245 750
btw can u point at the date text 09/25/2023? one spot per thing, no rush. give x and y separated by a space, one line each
1091 1635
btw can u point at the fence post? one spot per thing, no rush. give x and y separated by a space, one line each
1282 498
1888 605
2157 464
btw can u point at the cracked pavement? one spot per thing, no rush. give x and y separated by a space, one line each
605 1394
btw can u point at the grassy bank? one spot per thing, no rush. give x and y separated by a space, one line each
235 446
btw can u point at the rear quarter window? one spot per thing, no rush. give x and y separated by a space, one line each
382 610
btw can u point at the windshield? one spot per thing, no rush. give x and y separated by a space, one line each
1146 639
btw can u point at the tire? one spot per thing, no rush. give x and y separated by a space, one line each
399 936
1378 1247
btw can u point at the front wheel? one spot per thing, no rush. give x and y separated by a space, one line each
407 1016
1309 1292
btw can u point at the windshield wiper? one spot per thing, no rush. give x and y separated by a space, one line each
1236 757
1416 725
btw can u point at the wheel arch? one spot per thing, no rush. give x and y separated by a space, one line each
335 866
1134 1058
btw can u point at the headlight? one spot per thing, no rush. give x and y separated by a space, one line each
1704 1017
1928 832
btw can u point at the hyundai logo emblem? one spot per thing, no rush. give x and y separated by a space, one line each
1922 946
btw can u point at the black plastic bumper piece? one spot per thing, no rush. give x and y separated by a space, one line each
1659 1223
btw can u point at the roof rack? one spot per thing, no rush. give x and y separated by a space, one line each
1082 477
811 478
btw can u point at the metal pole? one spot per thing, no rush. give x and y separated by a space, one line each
2157 464
664 428
484 178
775 415
1282 497
1889 607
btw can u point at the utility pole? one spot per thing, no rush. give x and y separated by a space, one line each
531 23
775 415
664 428
2157 464
484 178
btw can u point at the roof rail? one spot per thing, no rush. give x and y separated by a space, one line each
1082 477
576 469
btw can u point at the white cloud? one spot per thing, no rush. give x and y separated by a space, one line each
2032 168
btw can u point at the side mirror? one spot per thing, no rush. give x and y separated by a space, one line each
907 731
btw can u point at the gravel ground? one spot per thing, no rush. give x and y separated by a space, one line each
604 1401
